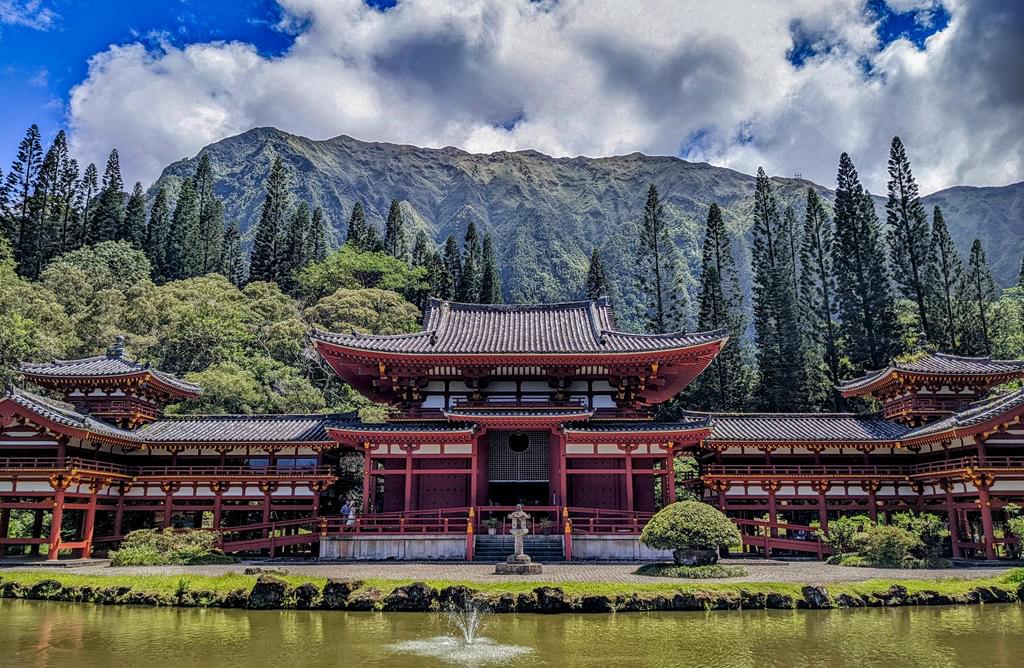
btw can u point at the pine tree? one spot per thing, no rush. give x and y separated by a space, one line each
945 272
725 384
210 223
20 180
597 278
87 191
134 228
38 240
818 305
180 257
156 234
68 194
356 235
490 279
267 247
779 356
792 239
978 293
438 279
452 259
109 214
394 233
908 234
316 238
468 289
421 251
231 256
6 219
659 270
294 255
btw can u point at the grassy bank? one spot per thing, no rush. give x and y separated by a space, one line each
296 591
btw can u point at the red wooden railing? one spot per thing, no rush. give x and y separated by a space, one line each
53 464
790 537
864 470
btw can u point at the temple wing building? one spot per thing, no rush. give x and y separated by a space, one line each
546 405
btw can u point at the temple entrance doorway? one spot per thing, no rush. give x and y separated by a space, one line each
518 468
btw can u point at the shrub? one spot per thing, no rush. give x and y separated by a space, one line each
887 546
690 525
691 572
842 533
1015 523
930 530
149 547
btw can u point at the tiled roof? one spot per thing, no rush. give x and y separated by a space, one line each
615 427
386 427
979 412
111 366
65 414
567 328
470 413
241 428
803 427
939 364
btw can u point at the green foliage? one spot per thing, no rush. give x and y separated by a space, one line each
660 272
930 530
110 264
371 311
887 546
149 547
691 572
842 533
253 384
978 294
352 269
690 525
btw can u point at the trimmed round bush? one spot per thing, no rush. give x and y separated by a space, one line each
887 546
694 531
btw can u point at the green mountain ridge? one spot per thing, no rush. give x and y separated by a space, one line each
548 213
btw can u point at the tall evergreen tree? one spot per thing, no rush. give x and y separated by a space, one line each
68 193
6 219
356 234
88 188
267 247
818 305
490 278
38 240
725 384
157 234
316 238
659 270
421 251
779 356
109 215
20 180
210 222
231 256
945 272
180 256
134 228
908 234
791 233
294 257
597 278
978 293
452 259
867 309
394 233
468 289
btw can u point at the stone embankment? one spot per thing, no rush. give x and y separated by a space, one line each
271 593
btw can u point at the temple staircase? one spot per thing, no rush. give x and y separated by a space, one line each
543 549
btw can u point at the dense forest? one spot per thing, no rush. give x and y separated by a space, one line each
834 294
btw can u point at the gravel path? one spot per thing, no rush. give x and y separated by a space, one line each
810 572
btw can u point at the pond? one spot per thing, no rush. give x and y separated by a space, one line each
83 635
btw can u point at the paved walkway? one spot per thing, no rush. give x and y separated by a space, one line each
810 572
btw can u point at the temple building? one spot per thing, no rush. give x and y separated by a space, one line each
492 405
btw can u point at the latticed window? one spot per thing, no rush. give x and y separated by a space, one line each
518 456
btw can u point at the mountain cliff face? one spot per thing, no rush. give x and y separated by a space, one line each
548 213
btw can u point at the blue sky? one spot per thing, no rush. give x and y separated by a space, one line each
733 83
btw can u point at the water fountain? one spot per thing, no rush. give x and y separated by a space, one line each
518 563
464 646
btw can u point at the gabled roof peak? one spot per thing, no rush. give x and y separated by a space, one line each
934 364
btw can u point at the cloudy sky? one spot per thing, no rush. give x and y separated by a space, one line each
787 84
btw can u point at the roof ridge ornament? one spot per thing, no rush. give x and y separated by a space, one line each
117 350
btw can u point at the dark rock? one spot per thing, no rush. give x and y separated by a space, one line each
143 598
365 599
255 570
816 597
695 557
992 595
337 593
45 589
895 595
268 593
930 597
685 601
596 603
457 596
776 601
505 602
526 602
724 601
12 590
304 597
845 600
236 598
753 600
552 599
417 597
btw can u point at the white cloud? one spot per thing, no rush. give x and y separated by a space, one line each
593 78
28 13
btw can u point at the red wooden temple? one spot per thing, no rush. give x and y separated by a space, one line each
493 405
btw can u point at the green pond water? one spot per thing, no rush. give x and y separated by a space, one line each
81 635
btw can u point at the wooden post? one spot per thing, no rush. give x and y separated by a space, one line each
822 487
408 480
873 502
58 517
986 520
629 478
563 473
90 522
669 485
367 505
470 537
218 508
568 534
954 519
474 473
168 509
773 511
119 514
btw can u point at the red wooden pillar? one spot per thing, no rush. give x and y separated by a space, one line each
408 480
670 476
822 487
119 513
773 510
986 519
90 521
954 519
218 507
563 469
629 477
872 489
367 483
474 471
55 523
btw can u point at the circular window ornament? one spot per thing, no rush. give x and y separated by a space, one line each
518 442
